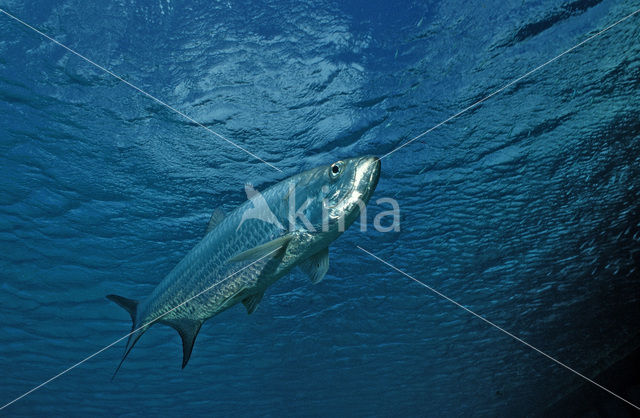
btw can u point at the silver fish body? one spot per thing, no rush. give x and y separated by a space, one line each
289 224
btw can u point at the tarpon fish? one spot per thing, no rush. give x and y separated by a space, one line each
292 223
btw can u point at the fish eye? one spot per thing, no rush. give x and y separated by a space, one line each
336 169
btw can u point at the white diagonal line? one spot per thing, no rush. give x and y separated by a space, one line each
134 331
520 340
511 83
184 115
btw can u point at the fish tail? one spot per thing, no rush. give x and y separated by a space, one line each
130 306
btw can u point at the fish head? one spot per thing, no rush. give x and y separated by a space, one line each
339 192
350 186
318 205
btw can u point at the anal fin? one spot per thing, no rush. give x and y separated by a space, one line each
188 330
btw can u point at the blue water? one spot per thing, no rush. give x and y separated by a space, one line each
525 209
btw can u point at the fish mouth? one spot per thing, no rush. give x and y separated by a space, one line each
377 165
371 166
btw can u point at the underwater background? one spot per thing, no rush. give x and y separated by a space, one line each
525 209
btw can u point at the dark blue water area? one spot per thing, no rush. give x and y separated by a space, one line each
524 209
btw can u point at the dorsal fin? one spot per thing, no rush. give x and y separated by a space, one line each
188 330
216 217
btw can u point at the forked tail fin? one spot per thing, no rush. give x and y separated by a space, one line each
130 306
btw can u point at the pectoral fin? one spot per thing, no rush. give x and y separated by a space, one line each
271 248
316 266
251 303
